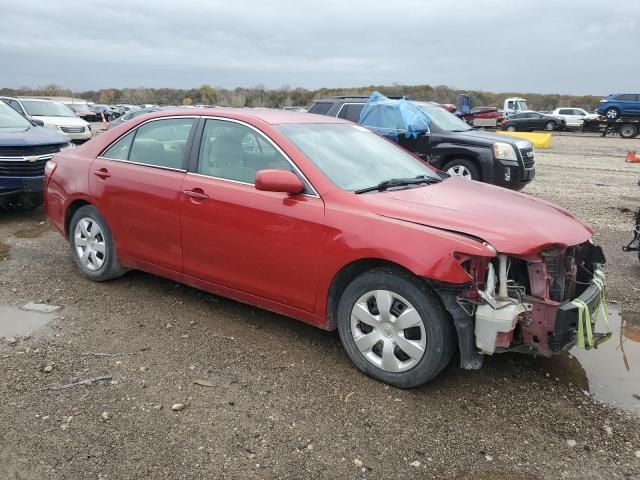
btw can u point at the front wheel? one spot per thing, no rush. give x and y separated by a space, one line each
394 328
511 128
550 126
462 168
92 246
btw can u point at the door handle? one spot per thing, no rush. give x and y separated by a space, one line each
196 194
102 173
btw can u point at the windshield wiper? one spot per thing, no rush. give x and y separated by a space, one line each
399 182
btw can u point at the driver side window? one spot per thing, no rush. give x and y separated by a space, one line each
233 151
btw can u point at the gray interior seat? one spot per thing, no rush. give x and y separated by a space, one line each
147 150
226 160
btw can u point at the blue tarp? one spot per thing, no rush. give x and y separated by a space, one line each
390 117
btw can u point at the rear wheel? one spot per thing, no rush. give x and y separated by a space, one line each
628 130
462 168
612 113
92 246
550 126
394 328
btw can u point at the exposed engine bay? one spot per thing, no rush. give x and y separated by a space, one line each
528 304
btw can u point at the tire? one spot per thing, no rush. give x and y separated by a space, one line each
431 338
550 126
462 168
612 113
511 128
88 231
628 130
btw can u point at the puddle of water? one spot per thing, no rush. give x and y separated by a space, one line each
33 232
4 251
15 322
612 372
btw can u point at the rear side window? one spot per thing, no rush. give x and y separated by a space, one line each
351 111
567 111
627 97
159 143
321 108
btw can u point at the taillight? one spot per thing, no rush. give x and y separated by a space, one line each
603 100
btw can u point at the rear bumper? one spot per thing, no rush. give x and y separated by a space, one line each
18 185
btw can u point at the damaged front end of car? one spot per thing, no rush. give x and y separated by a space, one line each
540 304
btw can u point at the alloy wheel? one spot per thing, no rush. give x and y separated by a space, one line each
388 331
460 171
89 243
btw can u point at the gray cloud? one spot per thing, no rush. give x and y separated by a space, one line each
579 47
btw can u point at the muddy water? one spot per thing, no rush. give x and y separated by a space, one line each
612 372
33 232
15 322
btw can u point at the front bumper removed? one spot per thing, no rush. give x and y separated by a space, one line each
576 319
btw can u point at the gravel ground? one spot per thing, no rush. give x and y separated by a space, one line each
263 396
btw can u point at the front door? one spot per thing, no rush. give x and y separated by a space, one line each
262 243
137 187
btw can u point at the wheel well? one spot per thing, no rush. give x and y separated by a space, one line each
71 209
345 276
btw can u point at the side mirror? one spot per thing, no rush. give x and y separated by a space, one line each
278 181
37 122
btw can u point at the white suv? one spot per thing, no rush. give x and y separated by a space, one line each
574 116
53 115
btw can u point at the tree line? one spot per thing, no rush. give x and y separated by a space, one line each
259 96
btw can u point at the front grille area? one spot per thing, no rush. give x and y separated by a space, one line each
528 157
22 168
72 129
29 150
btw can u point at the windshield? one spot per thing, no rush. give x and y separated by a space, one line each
353 157
443 120
9 118
79 107
37 108
521 105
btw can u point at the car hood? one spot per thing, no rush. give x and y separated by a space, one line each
62 121
30 136
511 222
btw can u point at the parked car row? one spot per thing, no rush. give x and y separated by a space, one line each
50 114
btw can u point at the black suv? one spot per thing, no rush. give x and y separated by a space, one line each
452 145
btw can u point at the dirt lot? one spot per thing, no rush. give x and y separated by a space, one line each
275 398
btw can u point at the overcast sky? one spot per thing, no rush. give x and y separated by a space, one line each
563 46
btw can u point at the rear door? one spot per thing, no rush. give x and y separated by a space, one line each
629 103
263 243
137 184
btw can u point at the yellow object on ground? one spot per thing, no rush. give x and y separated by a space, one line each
539 140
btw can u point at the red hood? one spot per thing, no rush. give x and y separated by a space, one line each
512 222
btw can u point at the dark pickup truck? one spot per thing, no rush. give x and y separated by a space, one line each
452 145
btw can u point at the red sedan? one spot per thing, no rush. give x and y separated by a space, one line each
324 221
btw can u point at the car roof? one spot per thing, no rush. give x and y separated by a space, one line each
269 116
